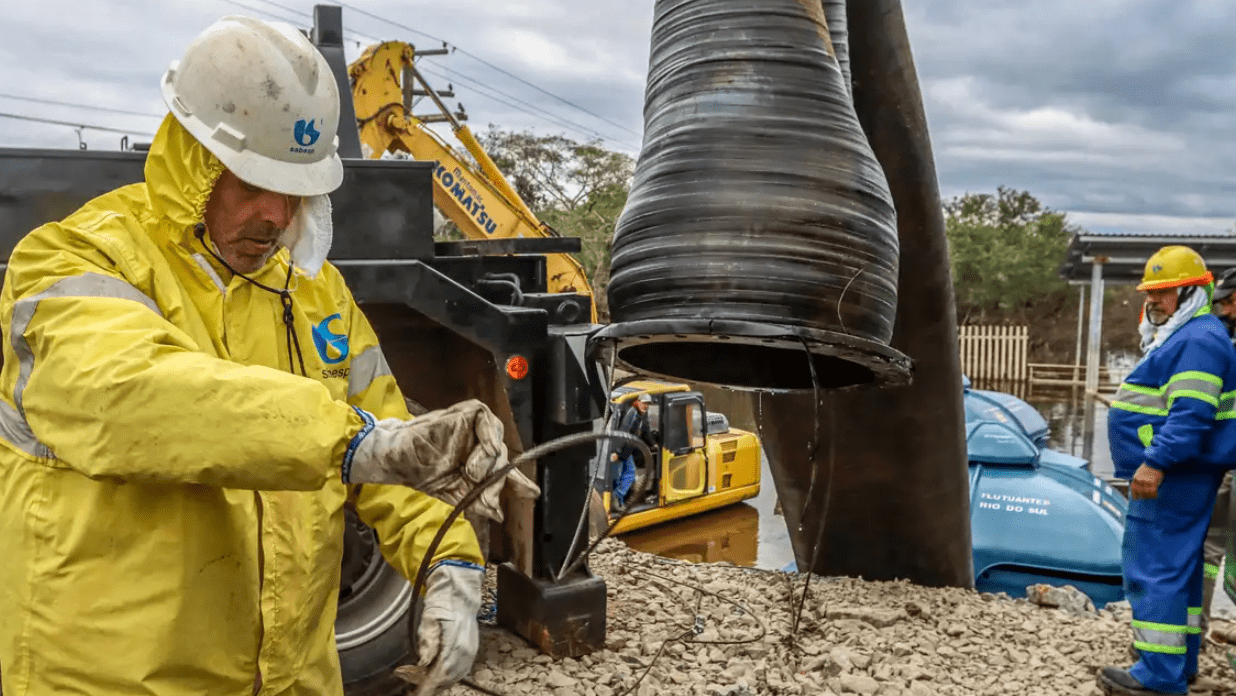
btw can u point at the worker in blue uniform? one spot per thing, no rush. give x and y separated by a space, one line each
1172 432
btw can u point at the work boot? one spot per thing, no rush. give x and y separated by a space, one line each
1118 682
1137 655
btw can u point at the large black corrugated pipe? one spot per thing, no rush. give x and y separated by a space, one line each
898 496
759 229
834 14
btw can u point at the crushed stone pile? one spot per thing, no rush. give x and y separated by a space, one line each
722 630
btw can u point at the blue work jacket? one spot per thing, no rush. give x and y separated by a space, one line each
1177 409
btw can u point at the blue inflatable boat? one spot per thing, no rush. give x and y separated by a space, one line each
1036 515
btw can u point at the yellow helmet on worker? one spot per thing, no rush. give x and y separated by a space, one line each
1173 267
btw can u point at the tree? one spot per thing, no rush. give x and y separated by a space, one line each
1005 252
579 189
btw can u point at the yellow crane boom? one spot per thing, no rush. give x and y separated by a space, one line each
482 204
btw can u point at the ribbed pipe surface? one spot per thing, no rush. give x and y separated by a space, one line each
756 197
838 31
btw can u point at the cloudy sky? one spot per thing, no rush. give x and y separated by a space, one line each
1119 112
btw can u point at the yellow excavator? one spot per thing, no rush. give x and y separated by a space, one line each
483 204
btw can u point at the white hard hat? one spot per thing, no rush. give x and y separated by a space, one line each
263 100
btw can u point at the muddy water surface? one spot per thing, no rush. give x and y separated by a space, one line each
747 534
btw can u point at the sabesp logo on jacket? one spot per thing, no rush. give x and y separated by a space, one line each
332 347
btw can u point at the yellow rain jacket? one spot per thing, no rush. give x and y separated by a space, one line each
171 509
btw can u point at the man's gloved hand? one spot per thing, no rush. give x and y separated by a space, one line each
444 453
448 636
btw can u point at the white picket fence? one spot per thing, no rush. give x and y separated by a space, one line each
994 356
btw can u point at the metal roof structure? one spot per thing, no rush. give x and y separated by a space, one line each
1123 257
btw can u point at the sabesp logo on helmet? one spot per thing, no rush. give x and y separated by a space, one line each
305 135
327 341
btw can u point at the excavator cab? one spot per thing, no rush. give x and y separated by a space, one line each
700 463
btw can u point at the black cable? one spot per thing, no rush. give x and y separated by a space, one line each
285 299
75 125
295 11
483 90
592 475
533 454
565 442
828 492
486 63
686 637
71 105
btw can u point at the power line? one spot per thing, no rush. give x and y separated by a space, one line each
531 109
491 66
81 106
259 10
354 36
286 8
480 87
70 124
485 93
308 16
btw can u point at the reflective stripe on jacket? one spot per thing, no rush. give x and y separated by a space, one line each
171 510
1178 406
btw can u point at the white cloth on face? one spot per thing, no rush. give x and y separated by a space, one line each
1189 304
308 238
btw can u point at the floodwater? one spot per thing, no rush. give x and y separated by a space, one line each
1067 421
748 534
752 534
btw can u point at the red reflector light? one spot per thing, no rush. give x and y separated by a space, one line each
517 367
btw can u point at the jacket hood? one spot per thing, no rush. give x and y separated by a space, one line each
180 175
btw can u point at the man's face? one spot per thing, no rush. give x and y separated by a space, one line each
642 406
245 221
1226 307
1161 304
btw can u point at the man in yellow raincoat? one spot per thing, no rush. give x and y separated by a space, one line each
188 398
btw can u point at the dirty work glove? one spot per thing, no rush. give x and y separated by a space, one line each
444 453
448 636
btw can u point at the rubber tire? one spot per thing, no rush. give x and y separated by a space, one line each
367 666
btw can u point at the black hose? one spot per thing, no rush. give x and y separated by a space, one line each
533 454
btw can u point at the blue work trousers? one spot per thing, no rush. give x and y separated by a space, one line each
624 477
1163 540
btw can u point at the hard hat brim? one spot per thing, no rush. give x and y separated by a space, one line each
290 178
1206 279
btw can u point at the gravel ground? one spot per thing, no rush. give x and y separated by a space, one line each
721 630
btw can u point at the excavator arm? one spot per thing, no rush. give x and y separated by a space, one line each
483 204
